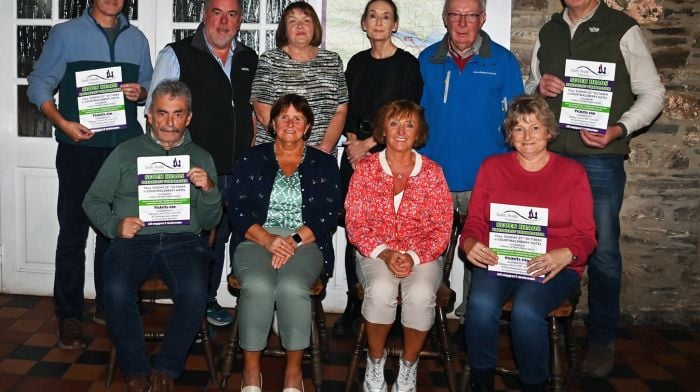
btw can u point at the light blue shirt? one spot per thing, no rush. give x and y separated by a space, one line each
168 67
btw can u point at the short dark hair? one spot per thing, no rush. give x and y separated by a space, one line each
525 106
400 109
173 88
390 2
297 102
281 38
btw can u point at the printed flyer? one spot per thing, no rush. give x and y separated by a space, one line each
164 190
100 100
588 92
517 234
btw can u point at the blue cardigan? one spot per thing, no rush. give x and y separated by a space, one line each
253 177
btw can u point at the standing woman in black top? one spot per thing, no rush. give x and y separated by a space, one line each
376 76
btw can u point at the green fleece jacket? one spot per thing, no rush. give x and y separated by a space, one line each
114 194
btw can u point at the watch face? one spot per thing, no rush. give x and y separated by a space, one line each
297 238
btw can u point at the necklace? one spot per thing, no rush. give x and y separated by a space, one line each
399 175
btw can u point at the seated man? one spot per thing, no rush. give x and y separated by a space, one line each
127 202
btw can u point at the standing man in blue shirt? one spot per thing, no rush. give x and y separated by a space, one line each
101 38
468 80
219 71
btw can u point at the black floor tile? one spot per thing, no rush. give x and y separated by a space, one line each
623 371
666 386
94 358
48 369
23 302
32 353
676 335
194 378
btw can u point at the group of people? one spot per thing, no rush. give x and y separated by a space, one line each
449 131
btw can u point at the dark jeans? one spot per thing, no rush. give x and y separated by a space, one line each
182 261
606 174
532 303
77 167
223 233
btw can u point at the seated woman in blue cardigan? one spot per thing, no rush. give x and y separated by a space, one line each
282 211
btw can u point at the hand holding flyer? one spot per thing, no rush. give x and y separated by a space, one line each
588 92
517 234
164 190
100 99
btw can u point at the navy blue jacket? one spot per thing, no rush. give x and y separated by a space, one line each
249 200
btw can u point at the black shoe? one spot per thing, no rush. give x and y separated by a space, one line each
599 360
483 381
344 327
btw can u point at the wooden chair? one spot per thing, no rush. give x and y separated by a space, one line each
319 342
151 287
564 312
440 345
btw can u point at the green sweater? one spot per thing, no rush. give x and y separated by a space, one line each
114 194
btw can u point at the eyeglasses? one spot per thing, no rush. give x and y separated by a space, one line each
455 17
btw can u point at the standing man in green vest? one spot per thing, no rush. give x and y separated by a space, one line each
590 30
219 71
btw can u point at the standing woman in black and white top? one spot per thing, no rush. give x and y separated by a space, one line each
376 76
299 66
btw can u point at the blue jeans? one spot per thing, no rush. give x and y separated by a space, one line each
182 261
77 167
223 233
532 302
606 173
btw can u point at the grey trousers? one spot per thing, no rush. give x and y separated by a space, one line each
263 286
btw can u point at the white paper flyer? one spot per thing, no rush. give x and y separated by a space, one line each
588 92
100 100
517 234
164 190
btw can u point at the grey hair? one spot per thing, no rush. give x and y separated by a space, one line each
172 88
207 2
482 5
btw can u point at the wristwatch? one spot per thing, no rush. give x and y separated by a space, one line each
297 238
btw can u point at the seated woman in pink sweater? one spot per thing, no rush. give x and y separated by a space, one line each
531 182
398 216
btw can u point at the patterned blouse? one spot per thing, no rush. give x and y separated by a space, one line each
421 225
321 81
253 180
285 202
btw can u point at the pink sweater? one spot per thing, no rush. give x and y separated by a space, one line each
420 227
561 186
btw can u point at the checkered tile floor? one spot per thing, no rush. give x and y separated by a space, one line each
647 359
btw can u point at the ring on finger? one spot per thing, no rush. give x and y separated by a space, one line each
483 249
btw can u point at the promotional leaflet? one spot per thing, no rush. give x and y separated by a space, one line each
100 100
164 190
517 234
588 92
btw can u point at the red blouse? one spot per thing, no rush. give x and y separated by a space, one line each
420 226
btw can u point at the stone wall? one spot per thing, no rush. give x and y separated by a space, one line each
661 211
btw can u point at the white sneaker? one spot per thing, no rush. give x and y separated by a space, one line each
374 375
406 380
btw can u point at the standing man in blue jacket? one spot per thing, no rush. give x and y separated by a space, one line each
468 80
219 71
99 44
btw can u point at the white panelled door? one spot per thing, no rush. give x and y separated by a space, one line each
28 182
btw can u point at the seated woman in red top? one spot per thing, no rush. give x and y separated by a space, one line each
535 179
398 216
